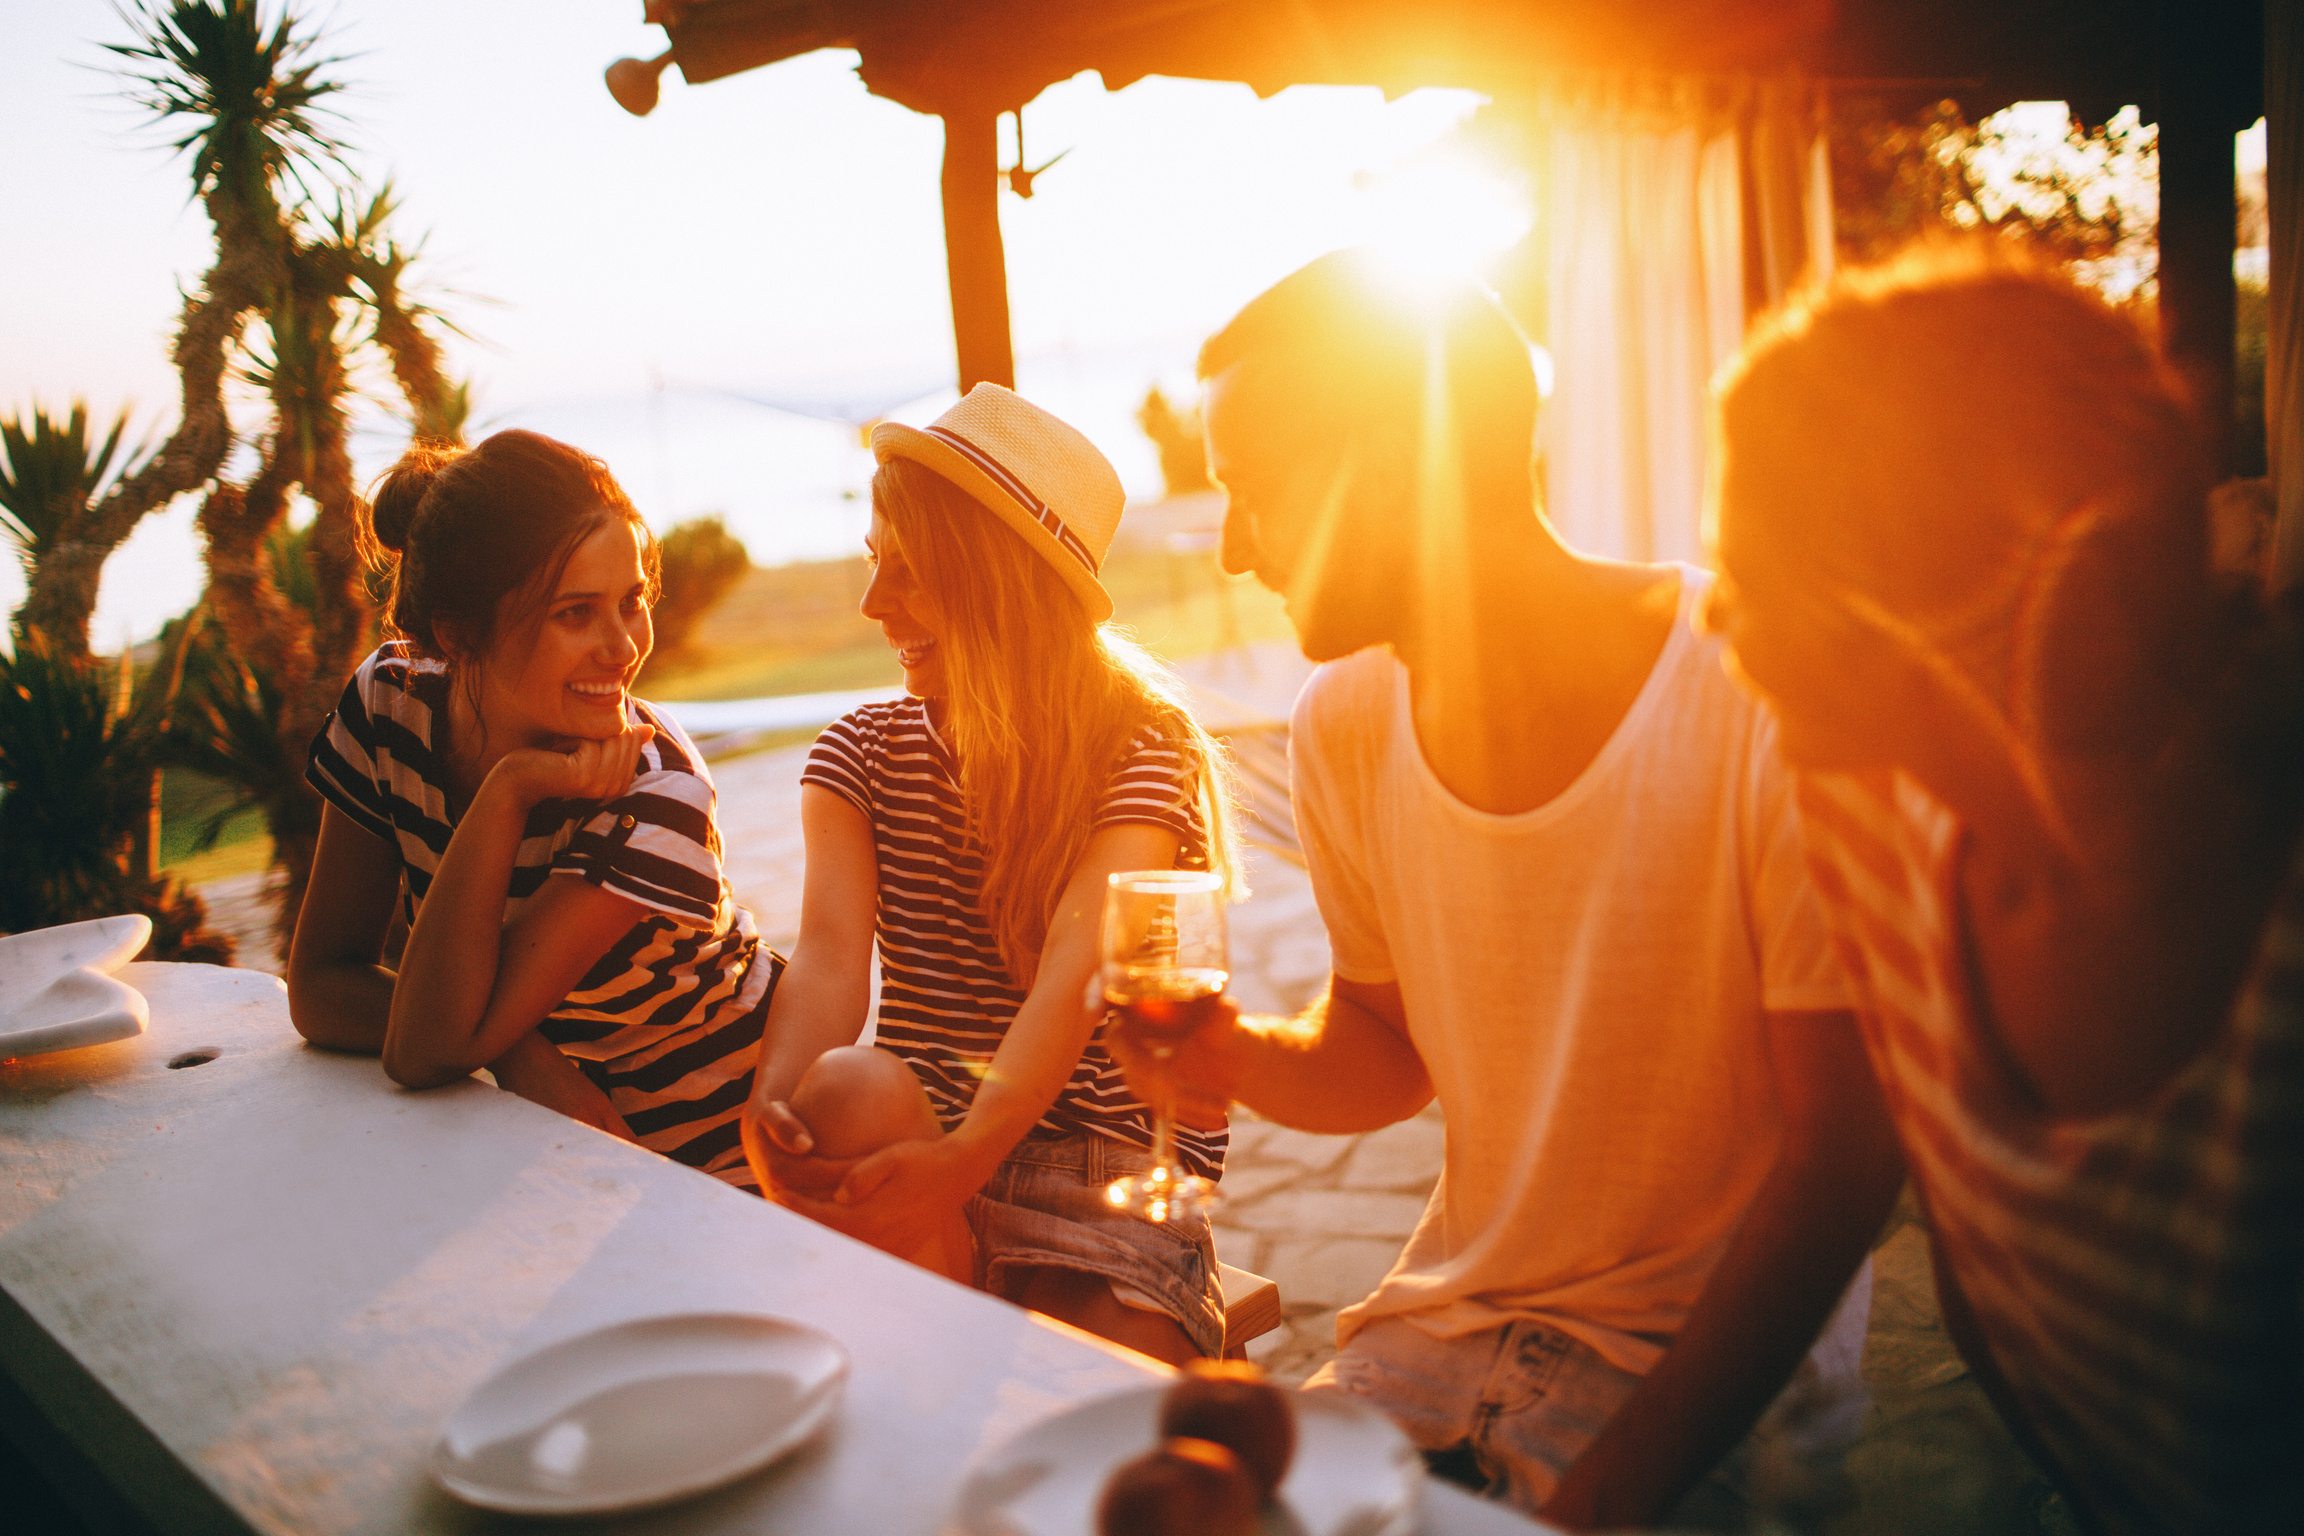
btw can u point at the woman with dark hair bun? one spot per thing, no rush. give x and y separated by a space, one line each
491 746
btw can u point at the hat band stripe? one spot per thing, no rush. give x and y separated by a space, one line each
1022 492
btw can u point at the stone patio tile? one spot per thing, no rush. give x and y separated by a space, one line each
1402 1156
1257 1142
1297 1348
1328 1272
1333 1213
1905 1346
1242 1249
1246 1182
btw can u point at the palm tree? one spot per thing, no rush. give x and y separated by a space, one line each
253 99
50 471
318 286
307 289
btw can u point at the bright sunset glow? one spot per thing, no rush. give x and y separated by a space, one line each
693 294
1444 214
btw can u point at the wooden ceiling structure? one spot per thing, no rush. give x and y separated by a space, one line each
2196 69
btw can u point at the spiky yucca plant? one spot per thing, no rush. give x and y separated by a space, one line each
51 469
249 93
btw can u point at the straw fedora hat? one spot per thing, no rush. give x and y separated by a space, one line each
1040 476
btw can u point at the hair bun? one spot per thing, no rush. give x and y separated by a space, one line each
392 511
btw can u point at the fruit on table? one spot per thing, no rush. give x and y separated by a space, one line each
1230 1402
1183 1487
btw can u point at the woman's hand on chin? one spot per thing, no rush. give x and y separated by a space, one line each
593 769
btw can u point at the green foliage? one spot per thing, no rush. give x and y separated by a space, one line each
77 755
2084 196
701 560
1183 456
50 469
222 716
250 97
222 725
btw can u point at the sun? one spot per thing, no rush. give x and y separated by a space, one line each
1444 215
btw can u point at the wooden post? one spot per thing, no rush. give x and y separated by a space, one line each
2199 207
973 256
2284 343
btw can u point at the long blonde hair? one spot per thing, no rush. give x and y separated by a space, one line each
1041 703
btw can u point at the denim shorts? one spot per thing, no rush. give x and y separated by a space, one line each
1044 1208
1521 1402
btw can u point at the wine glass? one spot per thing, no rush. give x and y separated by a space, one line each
1164 968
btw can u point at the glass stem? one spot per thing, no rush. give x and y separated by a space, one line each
1164 1127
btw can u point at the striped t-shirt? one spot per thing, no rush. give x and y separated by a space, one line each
2133 1282
945 997
668 1022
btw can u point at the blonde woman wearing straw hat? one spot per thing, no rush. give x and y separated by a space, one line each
968 829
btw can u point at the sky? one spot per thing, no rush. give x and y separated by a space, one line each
639 285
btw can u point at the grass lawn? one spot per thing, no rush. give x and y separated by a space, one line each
187 801
795 628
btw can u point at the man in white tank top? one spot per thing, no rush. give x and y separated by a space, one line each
1560 868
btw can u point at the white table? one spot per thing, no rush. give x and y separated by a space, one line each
246 1293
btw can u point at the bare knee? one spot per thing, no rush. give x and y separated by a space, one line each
857 1099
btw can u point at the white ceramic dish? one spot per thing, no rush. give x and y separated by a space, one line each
56 992
1354 1473
639 1413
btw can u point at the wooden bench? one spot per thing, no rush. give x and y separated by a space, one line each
1251 1308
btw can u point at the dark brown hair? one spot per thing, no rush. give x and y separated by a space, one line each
465 528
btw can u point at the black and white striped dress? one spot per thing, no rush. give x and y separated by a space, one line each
945 997
668 1022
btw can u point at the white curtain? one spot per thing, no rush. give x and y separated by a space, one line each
1647 205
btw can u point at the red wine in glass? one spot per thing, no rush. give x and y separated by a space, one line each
1163 1008
1163 960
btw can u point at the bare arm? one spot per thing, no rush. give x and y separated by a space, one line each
471 985
826 986
535 1069
338 995
1345 1064
1052 1030
1807 1230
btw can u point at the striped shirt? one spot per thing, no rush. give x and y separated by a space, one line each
667 1023
945 997
2134 1282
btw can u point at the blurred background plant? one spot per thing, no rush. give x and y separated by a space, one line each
80 745
1183 455
2085 196
701 561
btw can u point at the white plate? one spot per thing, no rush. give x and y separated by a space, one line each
639 1413
55 994
1354 1473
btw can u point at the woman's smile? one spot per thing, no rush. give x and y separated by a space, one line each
889 601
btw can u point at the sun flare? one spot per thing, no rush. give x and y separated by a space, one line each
1445 215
